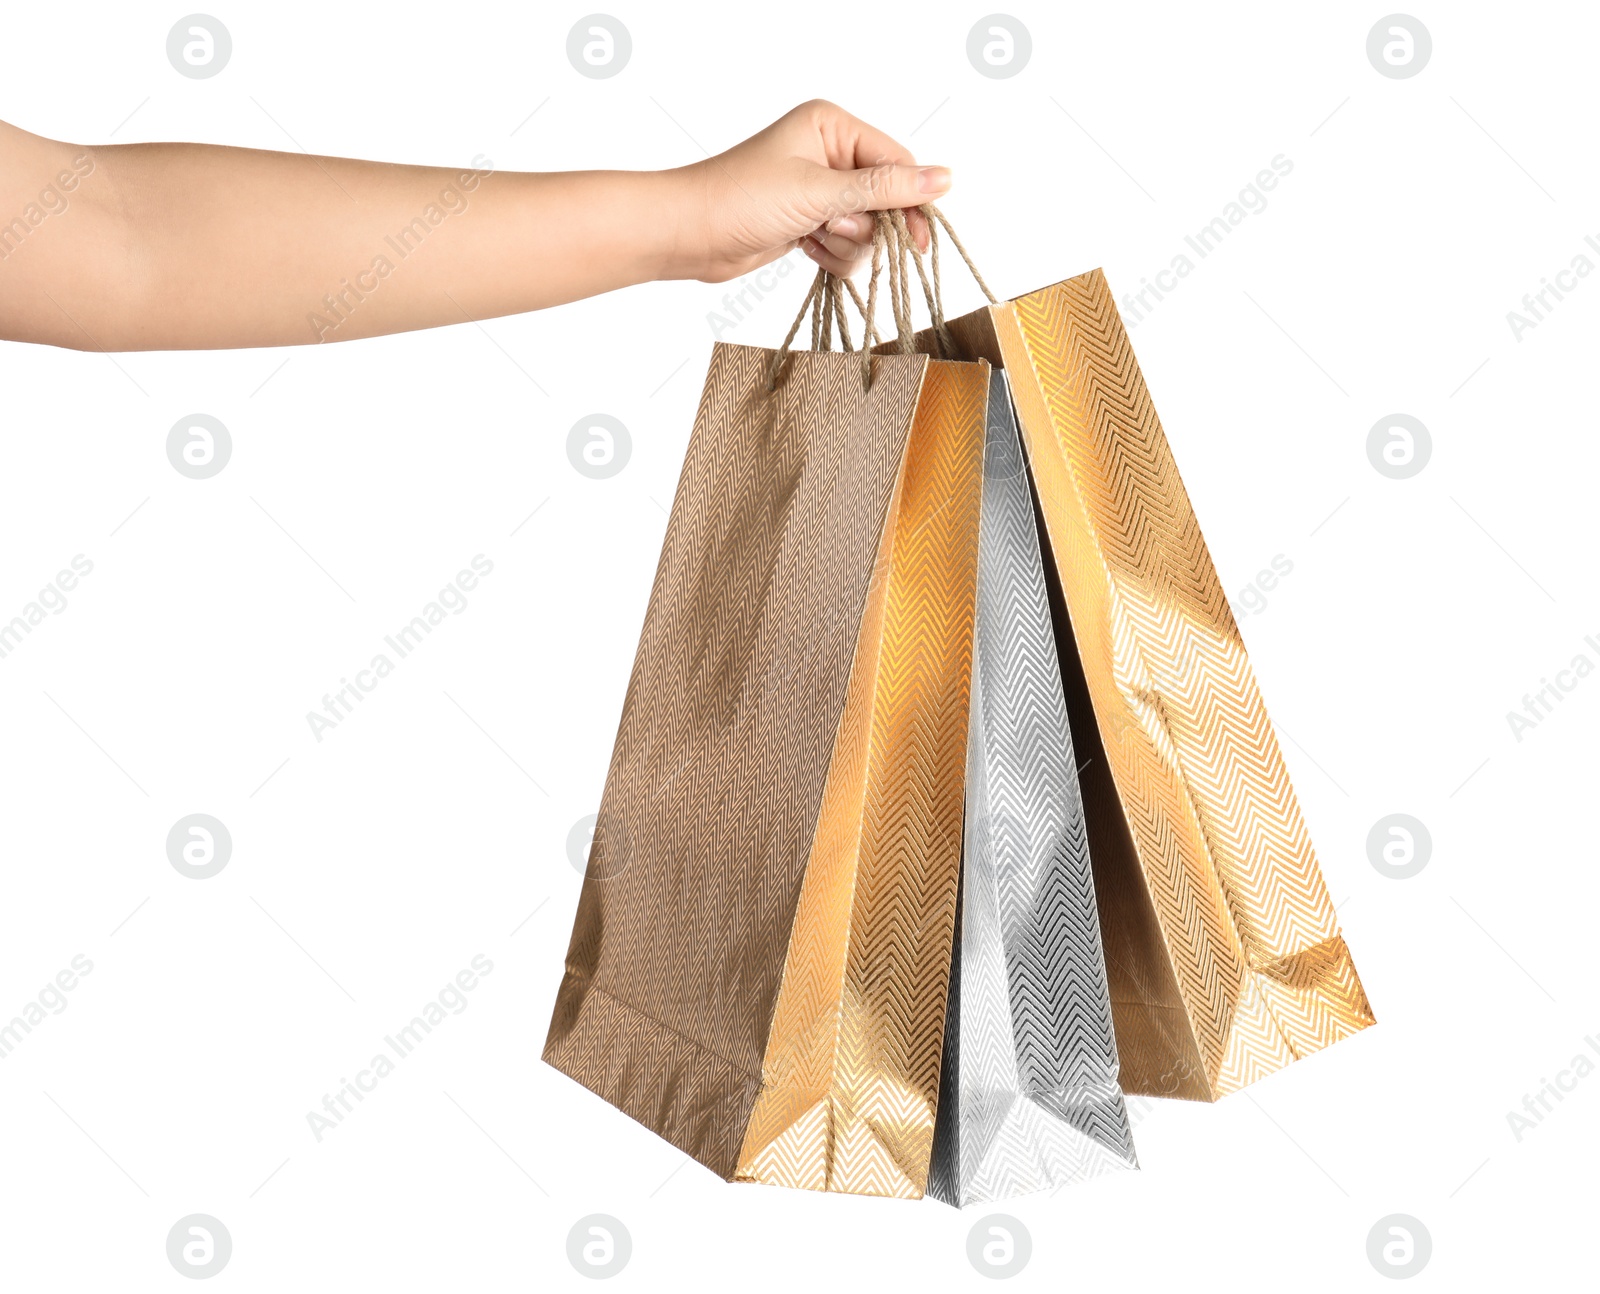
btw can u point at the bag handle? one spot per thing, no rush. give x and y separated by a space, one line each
825 300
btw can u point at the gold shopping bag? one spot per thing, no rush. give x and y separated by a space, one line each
1223 951
759 964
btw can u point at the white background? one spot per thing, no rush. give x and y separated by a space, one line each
369 868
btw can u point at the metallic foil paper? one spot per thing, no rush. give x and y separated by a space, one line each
1224 954
851 1080
759 965
1222 948
1029 1099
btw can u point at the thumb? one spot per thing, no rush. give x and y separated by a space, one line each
875 188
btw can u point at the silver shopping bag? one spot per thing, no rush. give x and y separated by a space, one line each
1028 1097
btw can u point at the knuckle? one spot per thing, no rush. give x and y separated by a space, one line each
876 180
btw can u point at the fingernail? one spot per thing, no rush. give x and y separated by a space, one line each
810 246
933 179
849 226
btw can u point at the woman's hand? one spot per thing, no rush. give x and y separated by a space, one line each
810 180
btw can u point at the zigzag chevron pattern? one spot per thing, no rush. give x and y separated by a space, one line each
1261 971
728 731
1029 1095
851 1080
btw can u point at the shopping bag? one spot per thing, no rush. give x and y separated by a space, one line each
1029 1097
1223 951
759 964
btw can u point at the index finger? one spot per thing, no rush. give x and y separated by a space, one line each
849 142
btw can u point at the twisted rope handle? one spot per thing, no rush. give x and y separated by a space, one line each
825 303
825 299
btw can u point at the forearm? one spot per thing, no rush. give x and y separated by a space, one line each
193 246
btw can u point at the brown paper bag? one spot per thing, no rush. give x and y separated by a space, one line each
759 965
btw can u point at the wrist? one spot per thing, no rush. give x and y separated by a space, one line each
675 224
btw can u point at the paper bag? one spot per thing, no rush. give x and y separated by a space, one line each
1222 946
759 965
1029 1098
